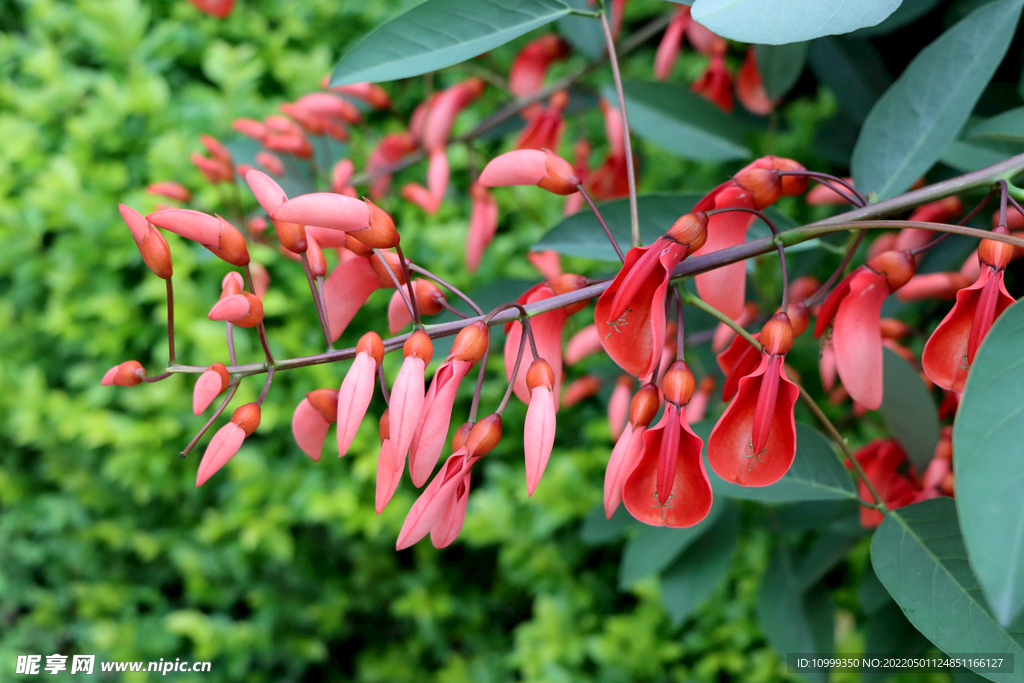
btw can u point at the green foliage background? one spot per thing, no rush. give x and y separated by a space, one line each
278 569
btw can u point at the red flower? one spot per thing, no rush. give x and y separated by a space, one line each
856 304
629 445
881 460
631 312
754 442
669 485
950 350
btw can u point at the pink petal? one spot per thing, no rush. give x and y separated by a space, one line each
548 263
325 210
584 343
624 456
208 387
406 404
421 197
483 223
389 473
223 446
268 193
547 330
136 223
431 504
309 429
618 405
437 174
193 225
230 308
354 398
398 313
346 290
857 338
447 528
108 377
725 287
521 167
326 238
432 431
538 435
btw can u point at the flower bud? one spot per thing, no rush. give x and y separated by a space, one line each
396 267
429 297
992 253
418 345
569 282
763 184
460 436
561 176
255 315
127 374
792 185
691 230
315 256
897 266
385 426
644 406
292 236
382 233
799 316
326 403
231 284
471 342
222 372
371 343
777 335
893 329
247 417
358 248
678 384
156 254
484 435
232 245
540 374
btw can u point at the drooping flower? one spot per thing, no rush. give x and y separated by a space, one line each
483 223
539 426
209 386
950 351
244 310
530 66
882 460
715 83
127 374
631 311
750 88
754 441
228 439
407 393
156 253
629 445
531 167
545 126
356 389
671 41
740 358
547 331
312 418
669 486
855 306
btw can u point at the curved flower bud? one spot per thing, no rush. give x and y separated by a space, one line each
171 190
629 445
357 389
244 310
381 233
311 420
324 210
209 386
228 439
407 393
192 225
127 374
539 427
156 254
697 408
531 167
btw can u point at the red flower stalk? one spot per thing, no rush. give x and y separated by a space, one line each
442 504
228 439
855 305
539 426
356 389
669 486
950 351
631 312
312 418
530 67
432 430
209 386
754 441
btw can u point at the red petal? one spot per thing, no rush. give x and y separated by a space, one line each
268 193
447 528
538 435
857 338
621 463
389 473
346 290
223 446
725 287
547 330
431 504
521 167
354 398
432 430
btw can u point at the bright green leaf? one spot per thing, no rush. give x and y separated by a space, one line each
775 22
919 556
656 547
989 462
698 572
671 117
440 33
909 409
780 66
917 118
1008 127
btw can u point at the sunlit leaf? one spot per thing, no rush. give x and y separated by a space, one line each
774 22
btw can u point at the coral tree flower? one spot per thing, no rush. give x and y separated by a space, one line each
950 351
209 386
432 431
483 224
631 312
539 427
531 167
356 389
882 460
442 505
127 374
853 308
750 88
228 439
671 42
629 445
407 393
754 441
312 418
530 67
668 485
740 358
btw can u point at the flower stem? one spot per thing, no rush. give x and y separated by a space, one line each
261 330
232 388
409 304
450 287
634 217
600 219
170 322
320 312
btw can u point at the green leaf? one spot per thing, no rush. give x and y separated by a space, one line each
816 473
679 121
692 579
585 33
909 12
853 70
440 33
1008 127
656 547
581 235
909 409
919 556
794 620
780 66
888 632
599 530
774 22
977 154
826 552
917 118
989 462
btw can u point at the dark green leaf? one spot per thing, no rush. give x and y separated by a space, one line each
887 632
916 119
679 121
585 33
976 154
908 12
440 33
871 594
826 552
703 568
909 409
919 556
780 66
989 461
655 547
774 22
599 530
853 70
1007 127
792 619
